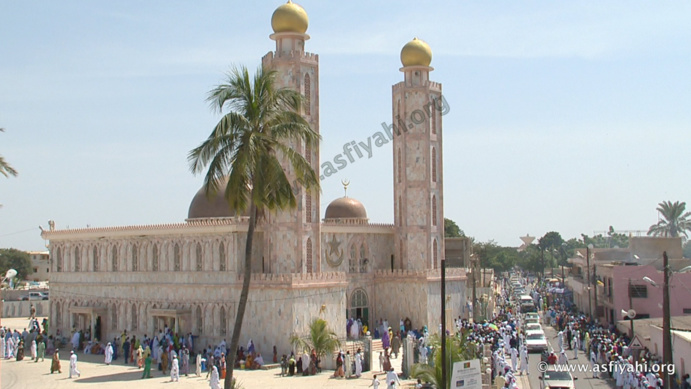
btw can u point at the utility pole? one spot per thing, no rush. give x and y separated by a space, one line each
587 265
597 317
630 308
666 323
443 321
474 267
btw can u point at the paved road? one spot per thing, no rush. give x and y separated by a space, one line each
585 379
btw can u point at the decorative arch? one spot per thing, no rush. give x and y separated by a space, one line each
134 317
308 255
114 257
434 254
199 320
434 210
434 164
176 257
58 314
308 95
94 257
222 257
114 317
135 257
198 257
77 260
308 207
398 165
352 259
58 261
358 306
223 321
154 258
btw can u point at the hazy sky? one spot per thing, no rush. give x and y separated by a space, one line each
565 116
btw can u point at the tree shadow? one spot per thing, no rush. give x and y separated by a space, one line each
119 377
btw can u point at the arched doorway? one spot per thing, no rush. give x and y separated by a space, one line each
358 306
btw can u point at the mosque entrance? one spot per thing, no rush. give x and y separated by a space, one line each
359 306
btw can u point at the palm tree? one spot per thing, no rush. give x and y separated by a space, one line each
321 339
248 146
675 222
457 349
5 168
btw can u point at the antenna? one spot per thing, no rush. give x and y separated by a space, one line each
345 183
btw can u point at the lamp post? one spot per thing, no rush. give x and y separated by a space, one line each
443 321
630 308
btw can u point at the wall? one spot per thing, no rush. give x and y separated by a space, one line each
681 345
680 290
23 308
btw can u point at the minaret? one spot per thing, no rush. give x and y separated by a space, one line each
417 154
292 239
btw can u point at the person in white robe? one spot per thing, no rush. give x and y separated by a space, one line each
514 358
175 369
34 350
524 360
215 382
198 372
347 365
391 376
109 354
563 359
576 344
75 340
73 365
593 362
358 364
3 348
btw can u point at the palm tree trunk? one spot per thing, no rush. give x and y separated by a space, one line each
242 304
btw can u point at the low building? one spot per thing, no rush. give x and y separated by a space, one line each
40 264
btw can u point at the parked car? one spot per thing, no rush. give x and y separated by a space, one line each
552 379
34 296
533 327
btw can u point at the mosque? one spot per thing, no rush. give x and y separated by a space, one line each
188 275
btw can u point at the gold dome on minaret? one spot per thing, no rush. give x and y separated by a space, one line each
289 17
416 53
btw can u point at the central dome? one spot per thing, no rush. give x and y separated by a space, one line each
345 208
416 53
289 17
202 207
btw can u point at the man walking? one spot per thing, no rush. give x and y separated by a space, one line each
73 365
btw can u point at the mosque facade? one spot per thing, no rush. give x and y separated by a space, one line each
188 275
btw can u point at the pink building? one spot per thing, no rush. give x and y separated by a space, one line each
623 288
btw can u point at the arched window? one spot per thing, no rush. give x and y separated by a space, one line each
358 307
308 95
154 263
434 164
353 260
77 260
58 260
198 257
135 258
176 257
400 211
308 207
115 258
224 322
434 253
398 165
58 315
308 254
95 259
363 259
222 257
434 210
114 317
200 321
433 113
134 317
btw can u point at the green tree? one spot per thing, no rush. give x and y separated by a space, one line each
321 339
687 249
457 349
5 168
675 220
17 260
451 229
250 146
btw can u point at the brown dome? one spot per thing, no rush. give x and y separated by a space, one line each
202 208
345 208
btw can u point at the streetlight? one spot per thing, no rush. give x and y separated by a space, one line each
587 259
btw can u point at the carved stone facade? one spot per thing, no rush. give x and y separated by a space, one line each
188 276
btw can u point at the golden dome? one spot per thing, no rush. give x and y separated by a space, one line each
289 17
203 207
345 208
416 53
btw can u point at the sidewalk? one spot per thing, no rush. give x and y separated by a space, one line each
27 374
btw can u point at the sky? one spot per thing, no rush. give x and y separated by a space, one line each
564 116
